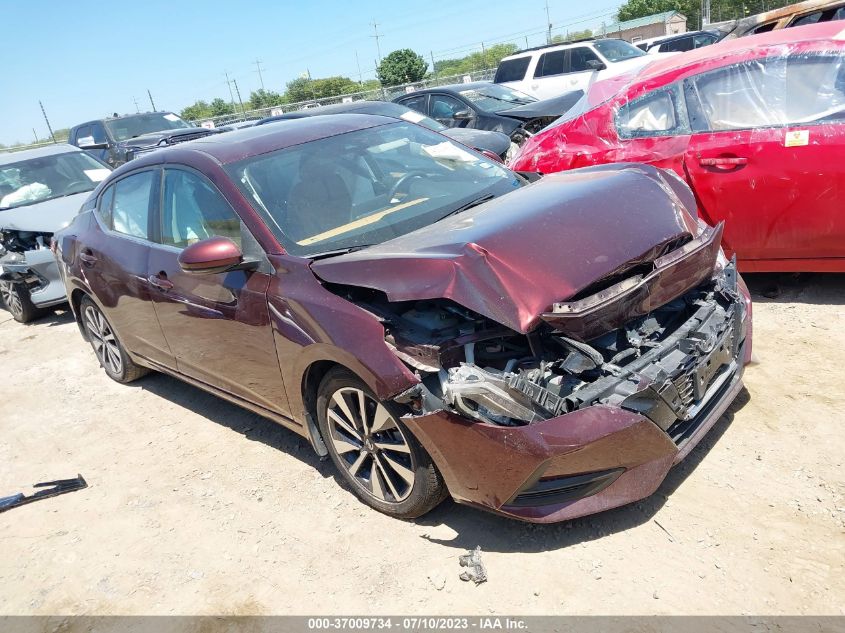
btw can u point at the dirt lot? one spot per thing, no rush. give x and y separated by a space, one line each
198 507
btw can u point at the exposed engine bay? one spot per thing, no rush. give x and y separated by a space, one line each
665 365
21 241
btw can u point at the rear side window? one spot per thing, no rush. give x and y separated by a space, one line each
415 103
799 89
656 114
104 207
678 46
194 210
549 64
511 70
130 209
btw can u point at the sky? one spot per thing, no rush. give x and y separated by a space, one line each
84 59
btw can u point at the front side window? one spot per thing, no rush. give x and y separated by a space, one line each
415 103
130 208
193 210
617 50
549 64
40 179
580 60
444 106
678 46
655 114
776 91
365 187
512 69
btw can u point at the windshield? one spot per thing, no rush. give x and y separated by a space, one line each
495 98
365 187
420 119
137 125
617 50
39 179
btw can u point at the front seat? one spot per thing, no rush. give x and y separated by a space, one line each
319 201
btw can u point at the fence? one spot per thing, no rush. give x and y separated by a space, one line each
379 94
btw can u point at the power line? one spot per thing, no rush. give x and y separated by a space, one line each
549 23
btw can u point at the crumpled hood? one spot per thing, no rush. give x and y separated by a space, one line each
154 138
513 257
43 217
556 106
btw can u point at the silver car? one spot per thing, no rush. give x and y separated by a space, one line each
41 191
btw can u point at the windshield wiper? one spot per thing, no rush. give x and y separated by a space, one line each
470 204
340 251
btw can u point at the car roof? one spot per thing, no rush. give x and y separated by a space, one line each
7 158
526 52
261 139
453 88
737 49
382 108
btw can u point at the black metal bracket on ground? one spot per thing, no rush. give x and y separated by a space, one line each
58 487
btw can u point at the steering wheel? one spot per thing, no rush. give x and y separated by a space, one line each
416 173
75 183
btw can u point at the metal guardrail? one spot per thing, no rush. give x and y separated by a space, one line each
379 94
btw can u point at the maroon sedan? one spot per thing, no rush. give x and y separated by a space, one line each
432 321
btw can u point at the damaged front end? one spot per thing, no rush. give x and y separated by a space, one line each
545 425
28 264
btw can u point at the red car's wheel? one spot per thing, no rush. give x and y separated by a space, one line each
375 453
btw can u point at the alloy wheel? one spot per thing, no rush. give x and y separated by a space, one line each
11 298
370 445
103 339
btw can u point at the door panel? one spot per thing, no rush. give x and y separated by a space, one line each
115 268
777 201
218 325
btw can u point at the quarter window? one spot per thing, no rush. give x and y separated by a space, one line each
655 114
415 103
194 210
131 204
512 69
105 205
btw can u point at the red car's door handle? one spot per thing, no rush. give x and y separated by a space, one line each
161 284
87 257
724 162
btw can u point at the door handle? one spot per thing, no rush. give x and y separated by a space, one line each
725 163
87 257
162 284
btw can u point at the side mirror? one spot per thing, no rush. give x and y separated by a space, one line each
595 64
462 115
214 255
87 142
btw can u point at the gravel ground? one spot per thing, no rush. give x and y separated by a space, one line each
198 507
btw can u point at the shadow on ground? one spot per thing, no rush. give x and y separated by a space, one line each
812 288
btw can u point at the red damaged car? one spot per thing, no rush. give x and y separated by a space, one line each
432 321
756 127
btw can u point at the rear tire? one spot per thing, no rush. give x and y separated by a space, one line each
376 454
107 347
17 301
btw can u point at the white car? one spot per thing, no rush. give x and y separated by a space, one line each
550 71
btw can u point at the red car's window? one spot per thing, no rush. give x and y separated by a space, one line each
786 90
658 113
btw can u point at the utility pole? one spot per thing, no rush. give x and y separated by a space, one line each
377 36
137 109
35 134
549 23
705 13
231 95
49 127
483 57
235 81
152 103
526 41
357 63
260 78
432 60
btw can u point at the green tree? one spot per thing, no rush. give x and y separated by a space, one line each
719 9
305 89
401 67
219 107
262 98
573 36
198 110
479 60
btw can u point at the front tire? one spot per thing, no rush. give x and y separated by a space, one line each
107 348
376 454
18 302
